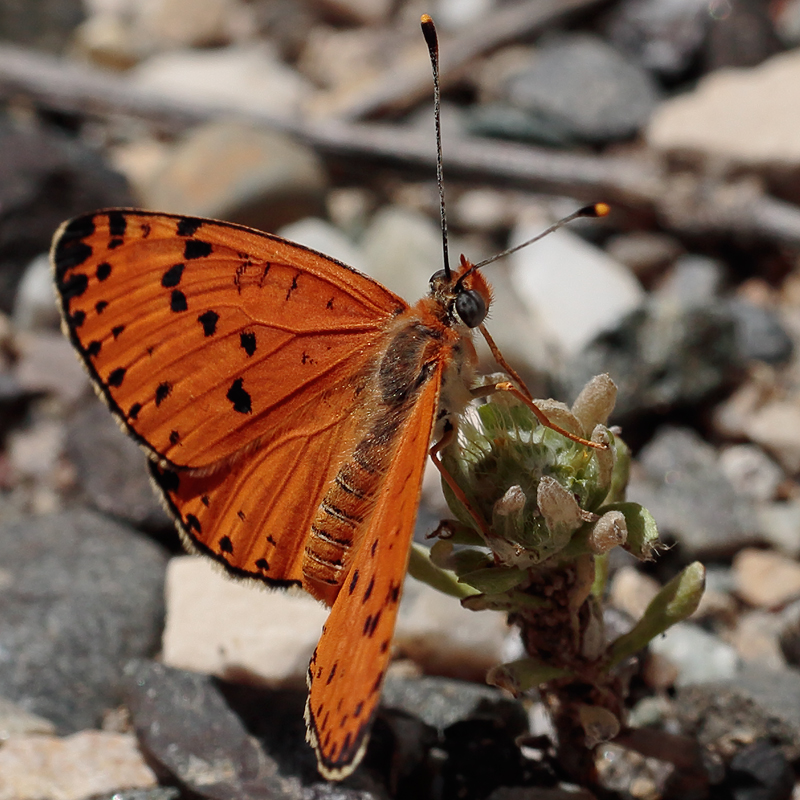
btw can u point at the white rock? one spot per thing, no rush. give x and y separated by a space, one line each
749 116
776 427
35 304
238 78
173 23
224 627
83 765
571 287
766 579
699 656
631 591
443 638
779 524
402 248
320 235
229 628
751 471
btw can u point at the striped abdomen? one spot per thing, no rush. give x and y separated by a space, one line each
343 515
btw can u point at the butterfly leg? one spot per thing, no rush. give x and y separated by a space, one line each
507 368
447 438
507 386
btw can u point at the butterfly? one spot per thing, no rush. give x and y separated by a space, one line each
287 404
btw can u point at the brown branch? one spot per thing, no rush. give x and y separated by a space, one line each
399 88
686 204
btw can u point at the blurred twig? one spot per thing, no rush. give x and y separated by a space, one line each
399 88
687 203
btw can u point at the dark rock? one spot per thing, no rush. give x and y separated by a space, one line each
661 357
46 24
441 702
161 793
760 771
682 485
664 36
789 637
46 177
586 88
757 704
742 37
83 595
190 736
502 121
112 469
759 334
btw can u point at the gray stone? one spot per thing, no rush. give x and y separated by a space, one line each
45 178
233 171
187 728
586 86
759 334
661 357
81 596
441 702
758 703
111 469
664 36
44 24
699 656
684 488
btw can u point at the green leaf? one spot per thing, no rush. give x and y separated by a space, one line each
675 602
423 569
527 673
642 529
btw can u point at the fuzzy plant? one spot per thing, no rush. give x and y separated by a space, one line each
544 514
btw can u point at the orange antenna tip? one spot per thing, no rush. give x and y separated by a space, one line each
596 210
429 32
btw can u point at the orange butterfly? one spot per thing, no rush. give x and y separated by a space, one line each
287 403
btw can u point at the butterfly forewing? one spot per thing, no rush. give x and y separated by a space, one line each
347 670
205 337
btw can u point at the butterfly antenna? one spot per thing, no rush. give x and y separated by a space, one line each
596 210
429 32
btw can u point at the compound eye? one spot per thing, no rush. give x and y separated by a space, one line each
437 278
471 308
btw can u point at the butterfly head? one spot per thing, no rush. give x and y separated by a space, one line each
463 294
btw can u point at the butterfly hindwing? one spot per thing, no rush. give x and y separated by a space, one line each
347 670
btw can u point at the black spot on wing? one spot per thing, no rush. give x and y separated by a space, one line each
75 285
93 348
134 410
103 271
209 320
247 341
262 564
369 589
194 248
174 437
116 377
166 479
226 545
177 301
71 251
162 392
113 244
117 223
172 277
205 500
188 226
117 330
332 673
239 397
193 523
353 582
100 306
77 319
